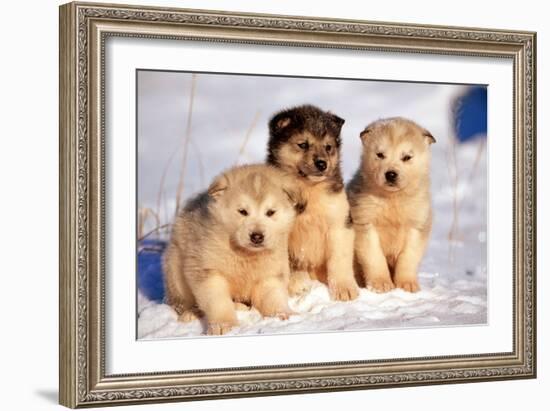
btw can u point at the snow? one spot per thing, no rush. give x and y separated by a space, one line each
453 273
439 303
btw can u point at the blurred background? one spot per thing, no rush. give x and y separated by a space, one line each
192 126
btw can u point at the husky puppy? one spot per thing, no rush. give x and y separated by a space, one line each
230 245
391 203
305 142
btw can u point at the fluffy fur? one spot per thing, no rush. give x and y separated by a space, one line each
305 142
229 245
391 204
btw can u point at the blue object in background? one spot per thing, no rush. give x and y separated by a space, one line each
149 268
470 114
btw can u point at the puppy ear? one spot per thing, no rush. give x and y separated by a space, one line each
296 198
280 122
339 121
365 134
218 186
428 136
283 123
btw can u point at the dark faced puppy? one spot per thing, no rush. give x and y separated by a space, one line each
305 142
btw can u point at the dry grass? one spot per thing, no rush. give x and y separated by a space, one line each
247 136
145 214
480 150
200 163
160 194
186 141
161 218
454 175
154 230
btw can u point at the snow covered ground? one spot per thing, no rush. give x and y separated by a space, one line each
453 274
441 302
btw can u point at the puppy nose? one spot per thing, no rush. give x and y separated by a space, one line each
391 176
256 238
321 165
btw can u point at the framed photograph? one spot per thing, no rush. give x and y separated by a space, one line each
263 205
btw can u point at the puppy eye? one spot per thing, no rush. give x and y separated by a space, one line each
406 157
328 147
380 155
269 213
304 145
242 211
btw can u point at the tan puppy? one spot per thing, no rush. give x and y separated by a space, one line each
305 142
391 204
230 245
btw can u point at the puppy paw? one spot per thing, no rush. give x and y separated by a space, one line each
220 328
343 290
298 287
191 314
380 285
284 314
408 285
280 312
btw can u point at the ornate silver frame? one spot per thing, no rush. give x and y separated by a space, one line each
83 30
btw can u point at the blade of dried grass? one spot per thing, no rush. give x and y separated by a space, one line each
200 163
160 193
154 230
453 171
453 175
247 136
144 213
187 138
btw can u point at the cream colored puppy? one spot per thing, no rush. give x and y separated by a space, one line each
230 245
391 204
